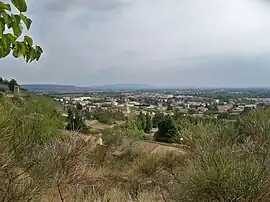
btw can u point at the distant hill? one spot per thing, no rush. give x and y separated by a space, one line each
50 88
43 88
123 87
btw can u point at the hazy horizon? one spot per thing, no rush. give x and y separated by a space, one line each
156 86
204 43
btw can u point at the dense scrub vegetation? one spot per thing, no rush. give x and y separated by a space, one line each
75 122
221 161
105 116
108 116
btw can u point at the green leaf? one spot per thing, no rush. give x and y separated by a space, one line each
33 55
5 16
17 18
1 52
4 46
27 21
17 31
2 26
15 52
7 19
16 25
27 54
10 38
27 57
29 40
21 48
4 42
20 5
39 51
4 6
4 53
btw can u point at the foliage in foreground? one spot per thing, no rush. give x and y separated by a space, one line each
221 162
24 130
11 30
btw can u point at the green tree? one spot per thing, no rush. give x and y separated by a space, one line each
79 106
5 82
224 115
191 111
167 130
118 115
104 116
169 108
70 116
79 123
178 114
12 83
11 30
157 118
75 122
212 109
141 121
149 124
245 111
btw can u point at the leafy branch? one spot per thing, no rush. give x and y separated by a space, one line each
11 28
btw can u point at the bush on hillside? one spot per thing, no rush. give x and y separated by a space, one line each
167 129
156 119
108 116
23 131
75 122
220 167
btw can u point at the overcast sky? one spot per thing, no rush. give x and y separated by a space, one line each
175 42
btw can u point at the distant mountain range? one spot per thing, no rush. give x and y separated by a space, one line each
51 88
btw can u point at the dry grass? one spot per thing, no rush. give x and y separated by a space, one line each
95 124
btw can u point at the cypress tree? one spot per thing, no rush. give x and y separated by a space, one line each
149 125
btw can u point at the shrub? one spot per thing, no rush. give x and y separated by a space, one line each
76 123
23 130
167 130
218 167
108 116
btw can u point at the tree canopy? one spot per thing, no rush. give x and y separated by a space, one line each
11 30
75 122
12 84
149 124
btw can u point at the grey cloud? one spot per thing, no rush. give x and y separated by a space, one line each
148 41
224 71
65 5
